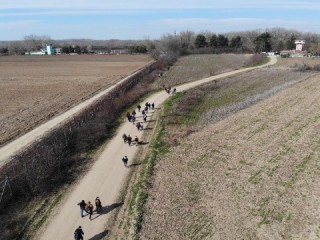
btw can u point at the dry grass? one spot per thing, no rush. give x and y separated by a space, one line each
35 88
295 62
195 67
253 175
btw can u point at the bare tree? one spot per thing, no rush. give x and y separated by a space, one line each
16 47
187 39
34 42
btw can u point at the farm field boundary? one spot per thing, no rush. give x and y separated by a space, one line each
36 134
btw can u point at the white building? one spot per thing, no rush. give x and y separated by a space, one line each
48 50
300 45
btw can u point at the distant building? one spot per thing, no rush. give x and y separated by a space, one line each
57 51
300 45
48 50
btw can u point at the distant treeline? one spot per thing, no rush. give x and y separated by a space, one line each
185 42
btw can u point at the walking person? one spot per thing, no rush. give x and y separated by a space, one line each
129 116
125 161
139 107
90 209
152 105
82 205
78 233
124 136
145 117
138 126
98 205
129 140
133 118
136 139
143 112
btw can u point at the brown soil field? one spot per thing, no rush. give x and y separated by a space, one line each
36 88
254 174
194 67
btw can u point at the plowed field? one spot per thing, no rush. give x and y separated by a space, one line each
253 175
36 88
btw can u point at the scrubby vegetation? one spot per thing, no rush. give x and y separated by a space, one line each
214 101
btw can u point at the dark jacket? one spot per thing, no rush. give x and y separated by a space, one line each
78 233
82 204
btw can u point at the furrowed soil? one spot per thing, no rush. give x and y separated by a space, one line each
252 173
36 88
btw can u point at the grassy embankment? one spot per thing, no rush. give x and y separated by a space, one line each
159 146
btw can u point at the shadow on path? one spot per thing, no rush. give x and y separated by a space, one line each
99 236
135 164
107 209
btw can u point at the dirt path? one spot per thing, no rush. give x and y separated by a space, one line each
106 177
12 147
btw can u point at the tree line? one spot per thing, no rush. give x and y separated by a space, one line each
32 43
275 39
184 42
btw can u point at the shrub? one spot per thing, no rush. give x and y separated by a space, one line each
256 59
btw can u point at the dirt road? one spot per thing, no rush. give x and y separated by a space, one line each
25 140
106 178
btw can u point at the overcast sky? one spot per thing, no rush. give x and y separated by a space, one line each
141 19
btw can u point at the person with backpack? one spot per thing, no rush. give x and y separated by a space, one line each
78 233
98 205
90 209
82 205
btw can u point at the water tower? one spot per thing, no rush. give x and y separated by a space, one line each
300 45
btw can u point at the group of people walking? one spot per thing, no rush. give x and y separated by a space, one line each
88 208
168 90
132 118
128 139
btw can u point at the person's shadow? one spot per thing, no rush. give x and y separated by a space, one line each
135 164
99 235
107 209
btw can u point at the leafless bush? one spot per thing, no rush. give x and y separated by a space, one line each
255 59
306 67
316 67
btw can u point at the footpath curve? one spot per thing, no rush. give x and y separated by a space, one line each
107 176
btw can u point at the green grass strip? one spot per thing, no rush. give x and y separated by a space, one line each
140 189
